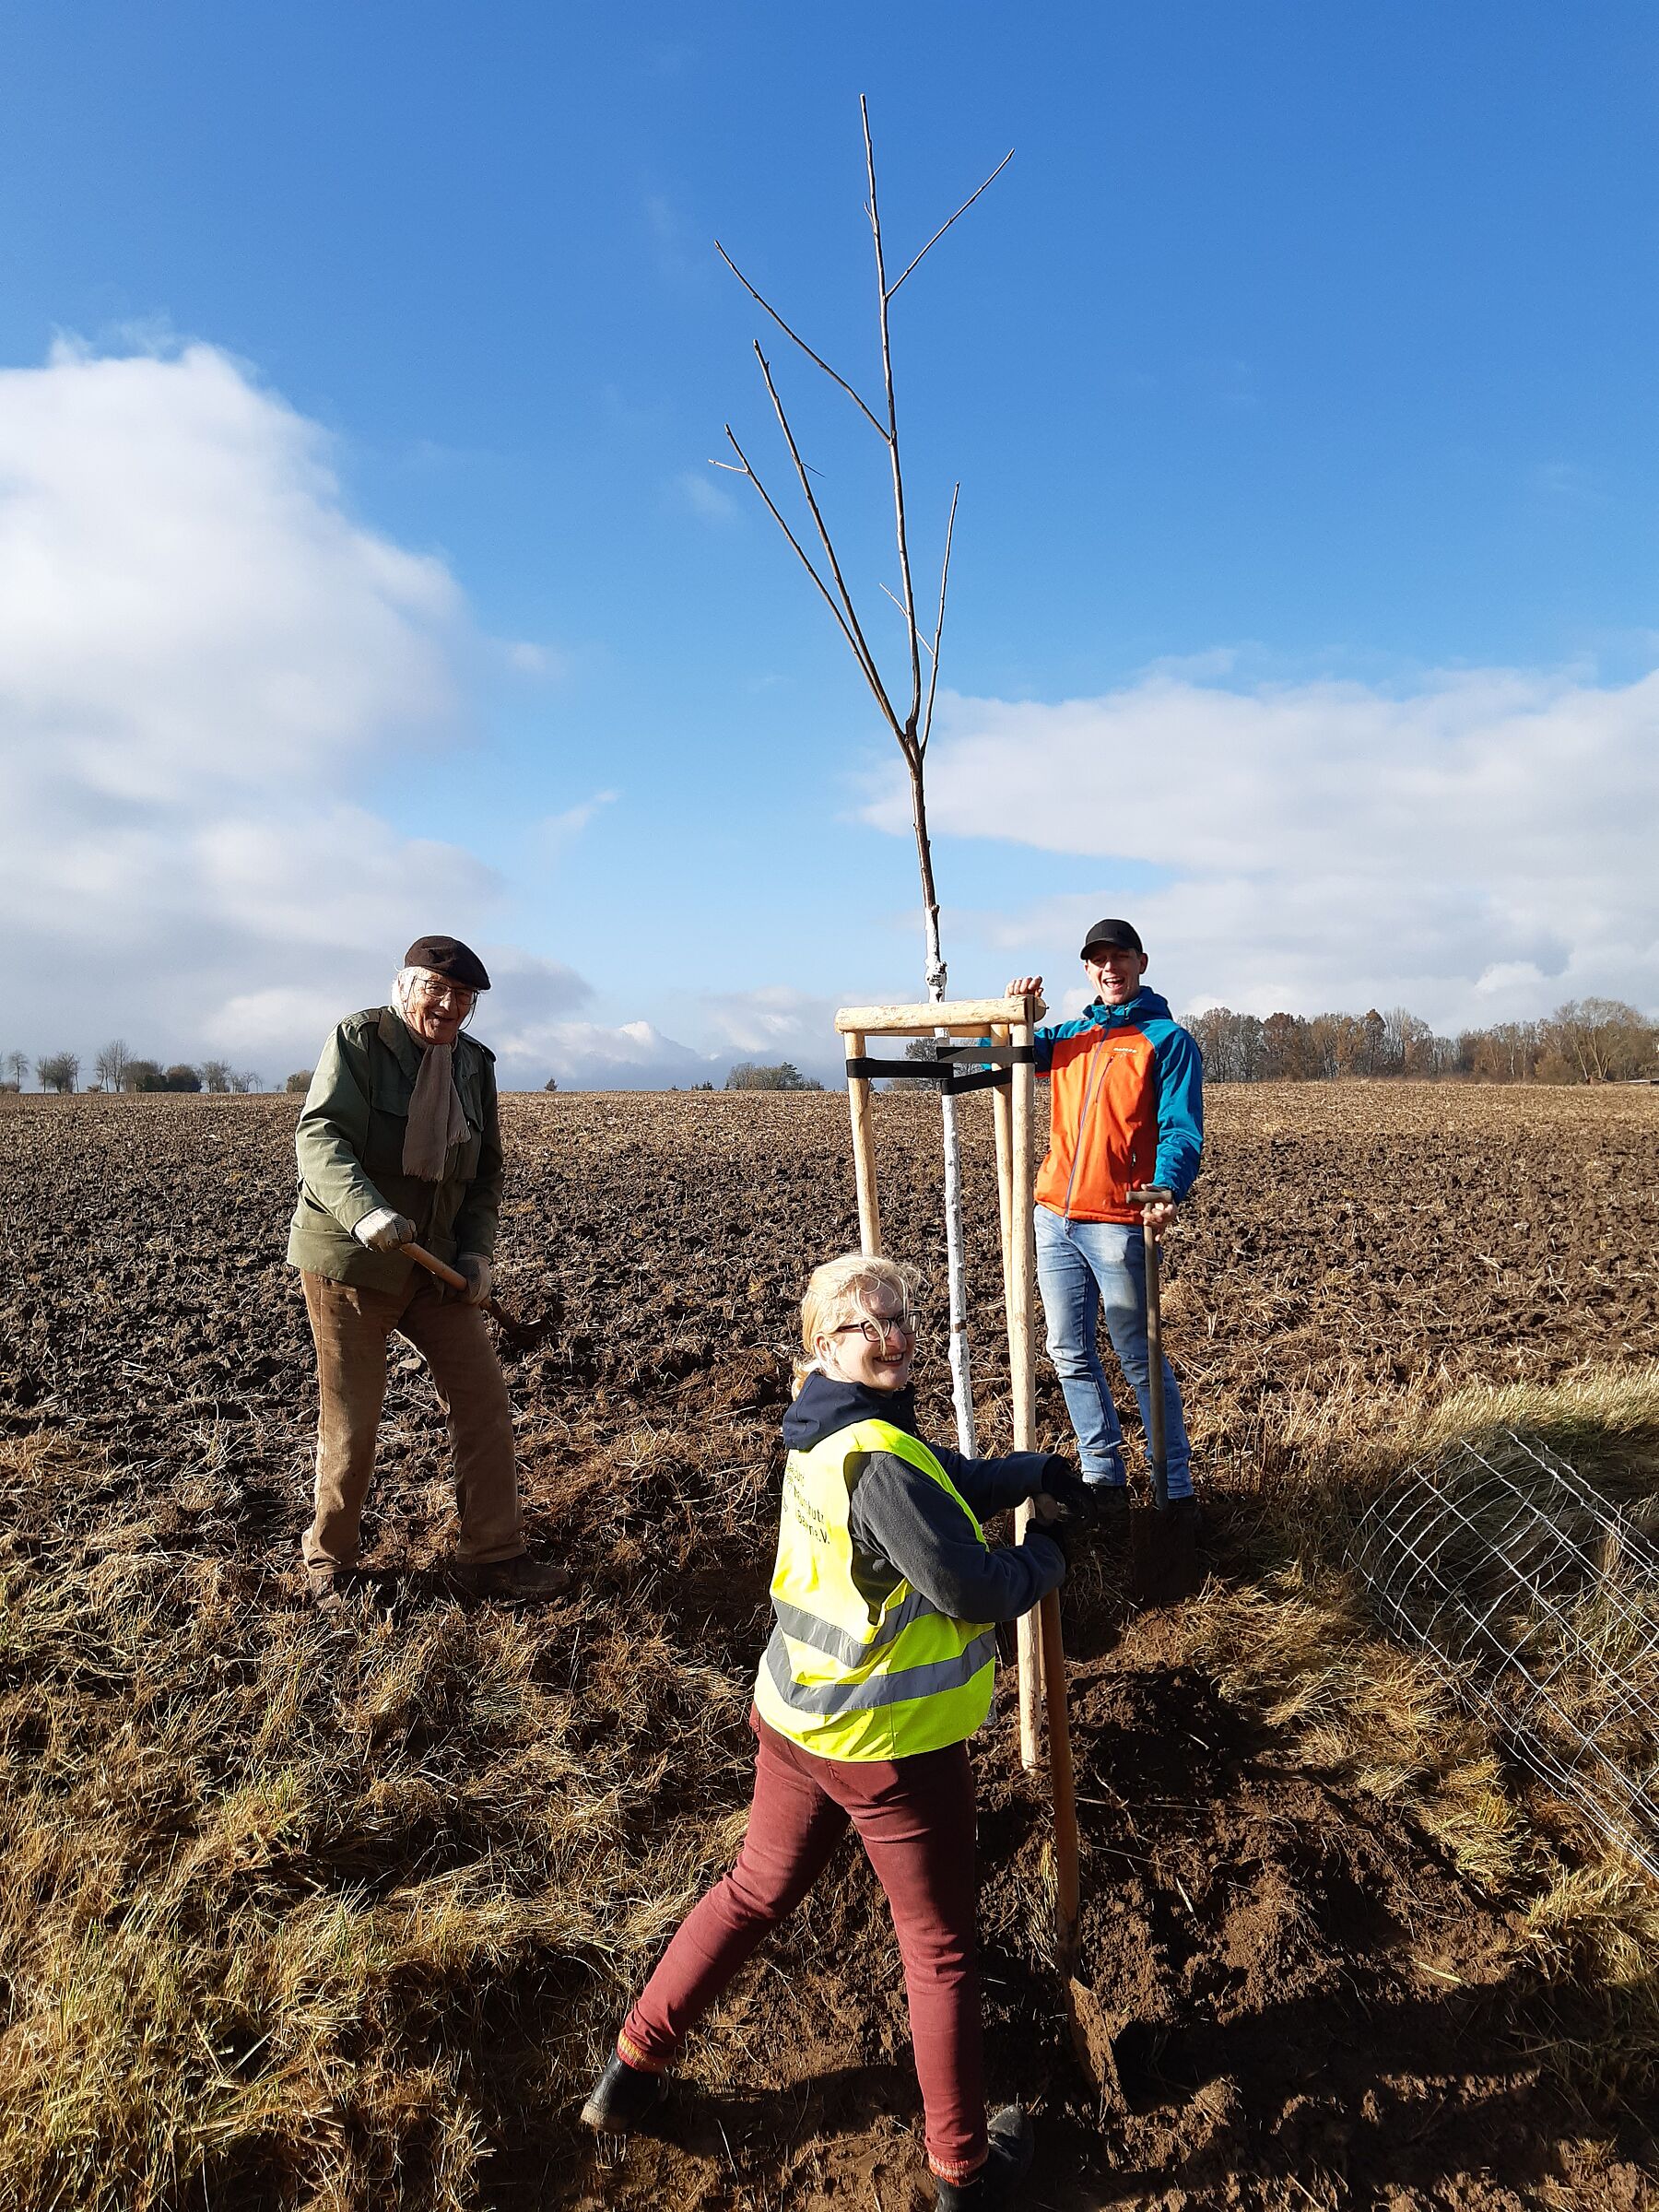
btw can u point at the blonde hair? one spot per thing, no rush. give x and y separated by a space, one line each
841 1291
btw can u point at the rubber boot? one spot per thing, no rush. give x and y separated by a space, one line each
623 2098
997 2183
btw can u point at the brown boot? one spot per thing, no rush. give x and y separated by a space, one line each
520 1577
323 1586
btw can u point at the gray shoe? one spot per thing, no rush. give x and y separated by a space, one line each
520 1577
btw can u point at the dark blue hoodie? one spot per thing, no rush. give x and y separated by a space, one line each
904 1527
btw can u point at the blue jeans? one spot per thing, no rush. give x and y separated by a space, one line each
1081 1265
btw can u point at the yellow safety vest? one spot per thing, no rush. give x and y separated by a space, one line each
845 1678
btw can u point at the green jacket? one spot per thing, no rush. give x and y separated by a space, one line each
351 1141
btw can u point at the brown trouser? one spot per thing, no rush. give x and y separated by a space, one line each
351 1328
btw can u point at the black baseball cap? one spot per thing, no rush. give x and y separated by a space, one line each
449 957
1104 936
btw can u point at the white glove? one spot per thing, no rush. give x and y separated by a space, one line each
479 1275
384 1229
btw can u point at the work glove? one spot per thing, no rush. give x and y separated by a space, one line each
384 1229
479 1275
1078 1506
1055 1533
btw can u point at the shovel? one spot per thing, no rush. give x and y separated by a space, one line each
517 1335
1166 1559
1092 2028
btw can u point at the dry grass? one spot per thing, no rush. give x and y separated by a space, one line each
275 1886
302 1913
1297 1640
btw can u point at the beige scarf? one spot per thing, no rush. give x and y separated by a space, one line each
437 1120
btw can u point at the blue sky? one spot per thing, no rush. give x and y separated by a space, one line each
1299 372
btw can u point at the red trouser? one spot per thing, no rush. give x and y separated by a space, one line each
915 1817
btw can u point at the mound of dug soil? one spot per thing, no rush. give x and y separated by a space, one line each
1297 1999
1292 1977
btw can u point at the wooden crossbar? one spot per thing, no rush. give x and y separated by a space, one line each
963 1017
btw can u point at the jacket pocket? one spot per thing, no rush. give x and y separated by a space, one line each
388 1119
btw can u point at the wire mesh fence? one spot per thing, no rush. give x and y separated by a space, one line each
1538 1599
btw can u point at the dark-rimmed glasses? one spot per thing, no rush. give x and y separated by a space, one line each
878 1332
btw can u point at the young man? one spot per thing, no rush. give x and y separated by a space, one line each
1127 1113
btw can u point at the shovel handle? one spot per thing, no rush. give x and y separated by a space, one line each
433 1265
1150 1195
457 1281
1157 1441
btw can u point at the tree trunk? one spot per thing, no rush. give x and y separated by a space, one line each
961 1378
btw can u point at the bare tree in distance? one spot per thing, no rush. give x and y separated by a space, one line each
16 1068
58 1071
910 715
112 1064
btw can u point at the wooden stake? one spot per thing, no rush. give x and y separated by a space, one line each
1022 1383
1000 1109
863 1151
1062 1786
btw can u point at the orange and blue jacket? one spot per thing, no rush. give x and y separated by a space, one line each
1125 1109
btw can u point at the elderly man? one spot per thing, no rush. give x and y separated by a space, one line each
1127 1113
399 1142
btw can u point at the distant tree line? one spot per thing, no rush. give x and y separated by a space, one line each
786 1076
1585 1040
115 1068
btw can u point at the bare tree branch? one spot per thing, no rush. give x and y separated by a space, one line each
914 731
892 437
900 605
871 671
834 375
859 650
939 233
955 494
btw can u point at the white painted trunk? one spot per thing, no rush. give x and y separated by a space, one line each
962 1381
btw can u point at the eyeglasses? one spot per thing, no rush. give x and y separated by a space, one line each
878 1332
435 990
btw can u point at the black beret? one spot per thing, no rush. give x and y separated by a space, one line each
1108 933
448 956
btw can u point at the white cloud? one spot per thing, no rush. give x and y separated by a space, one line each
585 1056
181 593
776 1022
556 831
200 650
696 492
1478 845
684 255
524 657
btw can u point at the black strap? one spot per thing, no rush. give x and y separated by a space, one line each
993 1056
985 1055
921 1071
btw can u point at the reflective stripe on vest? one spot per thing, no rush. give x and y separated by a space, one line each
846 1676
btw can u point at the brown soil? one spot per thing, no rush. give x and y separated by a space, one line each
1308 2002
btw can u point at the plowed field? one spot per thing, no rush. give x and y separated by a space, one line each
1319 2000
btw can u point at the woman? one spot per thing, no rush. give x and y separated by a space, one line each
399 1142
879 1669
